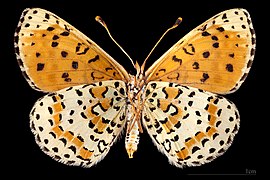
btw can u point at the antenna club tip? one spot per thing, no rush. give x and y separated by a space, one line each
100 20
178 21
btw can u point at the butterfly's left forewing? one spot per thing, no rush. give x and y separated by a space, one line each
79 124
190 126
53 54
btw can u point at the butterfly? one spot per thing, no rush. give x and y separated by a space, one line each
92 100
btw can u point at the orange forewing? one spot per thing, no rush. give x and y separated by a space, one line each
54 55
216 56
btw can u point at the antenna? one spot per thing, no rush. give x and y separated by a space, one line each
177 22
100 20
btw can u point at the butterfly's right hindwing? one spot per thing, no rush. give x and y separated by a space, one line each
190 126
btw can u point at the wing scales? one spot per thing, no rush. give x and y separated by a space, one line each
216 56
53 54
190 126
78 125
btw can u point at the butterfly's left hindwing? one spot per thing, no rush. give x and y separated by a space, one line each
190 126
78 125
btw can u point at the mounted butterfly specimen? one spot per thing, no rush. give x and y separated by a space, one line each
92 99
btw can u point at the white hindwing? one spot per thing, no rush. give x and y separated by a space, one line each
190 126
78 125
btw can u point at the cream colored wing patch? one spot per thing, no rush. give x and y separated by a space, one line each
79 124
190 126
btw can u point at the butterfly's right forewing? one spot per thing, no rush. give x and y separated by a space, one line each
215 56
